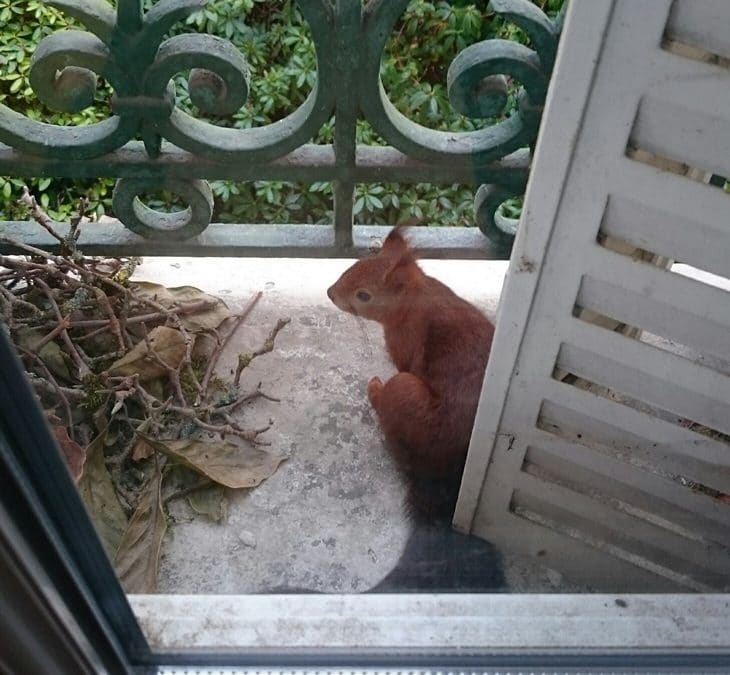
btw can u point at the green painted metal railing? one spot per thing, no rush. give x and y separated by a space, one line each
148 143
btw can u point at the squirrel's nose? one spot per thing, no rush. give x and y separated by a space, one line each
330 294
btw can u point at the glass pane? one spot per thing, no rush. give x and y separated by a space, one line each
261 427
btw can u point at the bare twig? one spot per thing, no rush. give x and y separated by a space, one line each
124 319
74 232
12 299
219 350
49 387
244 360
92 334
189 308
82 366
113 321
231 428
58 390
57 271
39 215
71 265
251 396
50 336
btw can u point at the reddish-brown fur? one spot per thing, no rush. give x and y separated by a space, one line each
440 345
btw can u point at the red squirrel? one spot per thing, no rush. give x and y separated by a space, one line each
440 344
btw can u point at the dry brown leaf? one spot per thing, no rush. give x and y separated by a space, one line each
141 450
223 462
167 343
205 319
138 557
51 354
97 492
203 347
74 454
210 502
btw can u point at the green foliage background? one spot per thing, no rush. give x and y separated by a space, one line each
279 49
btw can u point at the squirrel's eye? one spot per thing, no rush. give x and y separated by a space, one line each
363 296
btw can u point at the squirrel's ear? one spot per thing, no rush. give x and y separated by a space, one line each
395 243
398 254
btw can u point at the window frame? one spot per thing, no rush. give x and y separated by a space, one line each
45 509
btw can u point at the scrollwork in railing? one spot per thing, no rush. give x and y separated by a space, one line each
259 143
151 224
477 87
500 229
129 51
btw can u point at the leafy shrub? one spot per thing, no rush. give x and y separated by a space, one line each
278 46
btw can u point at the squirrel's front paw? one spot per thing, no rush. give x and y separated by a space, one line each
375 389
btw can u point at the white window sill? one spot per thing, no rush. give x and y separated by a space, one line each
483 622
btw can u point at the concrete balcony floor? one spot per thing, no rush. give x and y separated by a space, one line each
331 518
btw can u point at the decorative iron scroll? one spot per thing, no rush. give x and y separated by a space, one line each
129 50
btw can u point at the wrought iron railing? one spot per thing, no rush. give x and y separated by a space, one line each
149 143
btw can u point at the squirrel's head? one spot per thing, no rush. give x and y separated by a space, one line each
375 286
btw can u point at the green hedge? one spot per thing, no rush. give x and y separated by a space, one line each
278 47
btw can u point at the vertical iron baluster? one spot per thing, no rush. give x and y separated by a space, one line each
348 37
129 16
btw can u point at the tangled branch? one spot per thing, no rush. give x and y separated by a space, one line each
100 351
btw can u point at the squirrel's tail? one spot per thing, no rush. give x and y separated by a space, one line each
438 559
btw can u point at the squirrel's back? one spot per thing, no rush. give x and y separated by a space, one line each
440 344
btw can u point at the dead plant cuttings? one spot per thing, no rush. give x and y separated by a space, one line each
124 371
